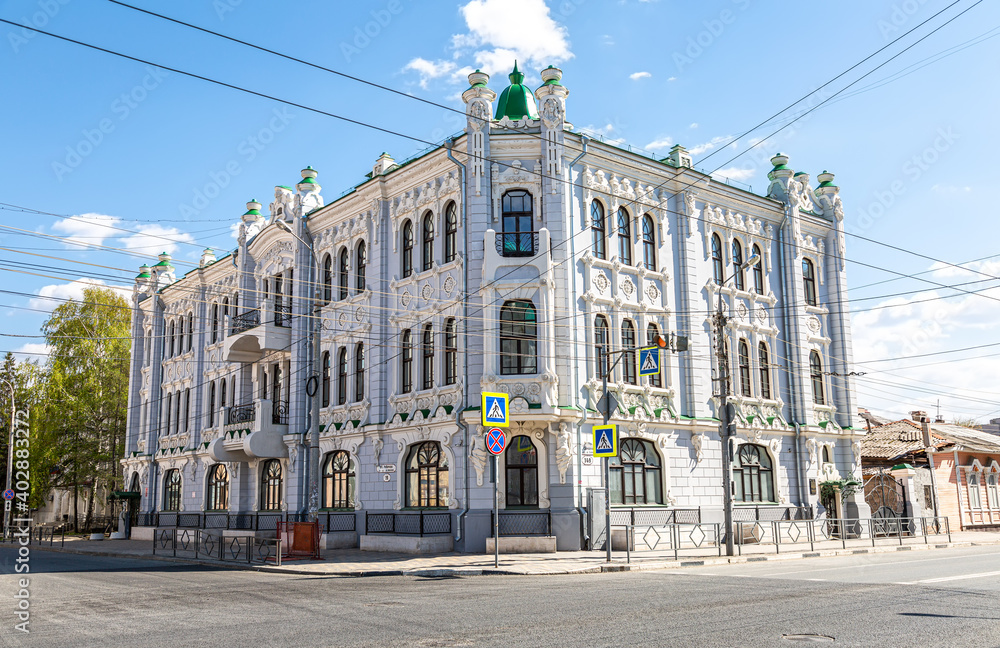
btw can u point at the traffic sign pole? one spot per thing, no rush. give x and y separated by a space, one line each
607 463
496 511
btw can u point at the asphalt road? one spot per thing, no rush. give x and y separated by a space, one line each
930 598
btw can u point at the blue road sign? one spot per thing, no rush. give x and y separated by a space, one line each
605 440
495 409
649 361
496 440
8 494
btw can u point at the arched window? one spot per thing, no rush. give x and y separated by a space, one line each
427 258
450 232
809 281
648 242
215 323
758 271
133 485
360 261
601 340
327 279
816 374
225 312
738 265
406 364
325 400
407 255
628 361
826 455
222 393
450 352
359 372
166 426
342 281
522 473
217 493
270 485
338 481
170 341
765 370
177 412
746 388
753 475
636 474
342 376
276 386
518 338
426 476
518 239
172 490
190 330
975 501
599 227
211 404
624 237
652 333
187 408
717 267
992 492
427 355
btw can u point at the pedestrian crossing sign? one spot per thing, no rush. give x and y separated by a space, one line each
605 440
495 410
649 361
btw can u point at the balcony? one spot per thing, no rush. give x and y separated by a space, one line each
252 430
517 244
255 332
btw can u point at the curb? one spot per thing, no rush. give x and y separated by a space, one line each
440 572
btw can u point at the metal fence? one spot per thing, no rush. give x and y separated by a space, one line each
250 521
283 315
208 544
672 537
654 516
333 522
517 244
769 513
845 532
241 414
523 523
245 321
417 523
36 535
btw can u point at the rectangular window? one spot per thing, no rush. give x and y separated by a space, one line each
974 500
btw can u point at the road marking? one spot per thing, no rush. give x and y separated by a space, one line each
945 579
876 564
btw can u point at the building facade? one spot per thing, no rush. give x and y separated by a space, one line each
500 261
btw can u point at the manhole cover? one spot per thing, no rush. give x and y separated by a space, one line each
808 638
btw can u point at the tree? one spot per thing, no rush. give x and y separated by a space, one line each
80 427
22 378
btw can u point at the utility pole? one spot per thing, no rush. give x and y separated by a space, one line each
725 424
602 359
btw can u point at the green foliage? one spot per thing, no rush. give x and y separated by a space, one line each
828 490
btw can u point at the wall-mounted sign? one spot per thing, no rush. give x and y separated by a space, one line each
385 468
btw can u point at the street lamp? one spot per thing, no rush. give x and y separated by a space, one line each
725 429
312 457
8 507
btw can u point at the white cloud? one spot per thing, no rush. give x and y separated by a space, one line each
34 350
54 294
429 70
87 229
604 132
635 76
693 125
660 143
671 78
606 39
705 147
914 326
734 173
500 32
153 238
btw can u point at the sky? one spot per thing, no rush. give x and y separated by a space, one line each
134 159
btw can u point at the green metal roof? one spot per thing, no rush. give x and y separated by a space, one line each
516 101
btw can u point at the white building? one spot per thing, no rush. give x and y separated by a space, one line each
497 262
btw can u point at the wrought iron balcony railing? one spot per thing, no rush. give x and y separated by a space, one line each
283 315
241 414
279 413
517 244
245 321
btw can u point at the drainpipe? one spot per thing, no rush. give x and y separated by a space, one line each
465 338
584 536
958 493
792 378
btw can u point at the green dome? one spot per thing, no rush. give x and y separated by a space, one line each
516 101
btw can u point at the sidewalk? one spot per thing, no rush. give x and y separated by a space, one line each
353 562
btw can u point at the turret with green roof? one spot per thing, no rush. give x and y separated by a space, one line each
516 101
